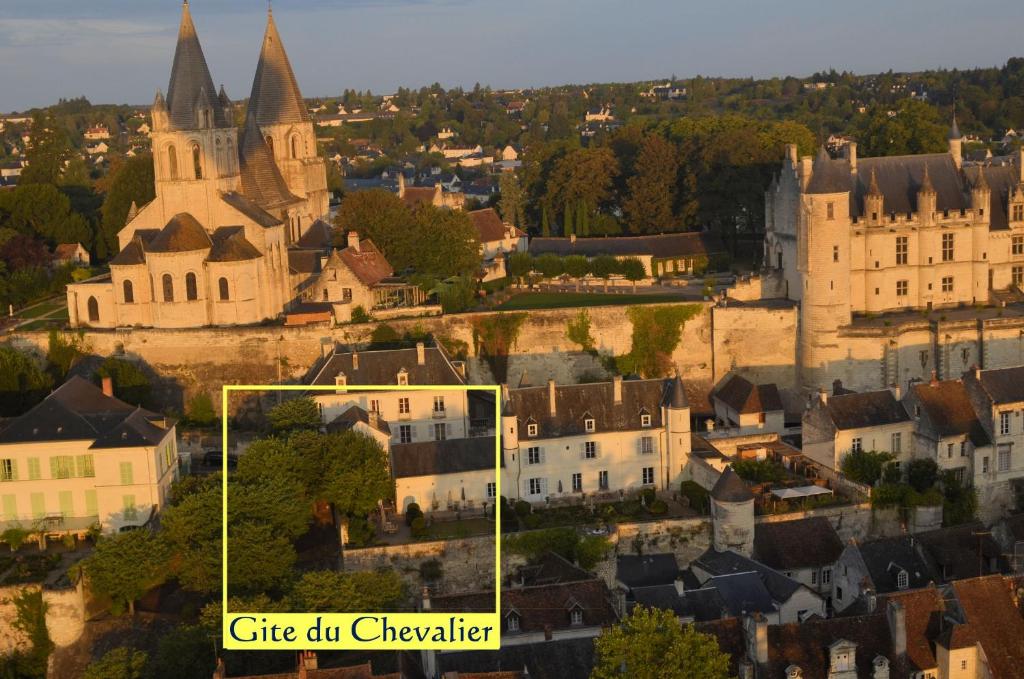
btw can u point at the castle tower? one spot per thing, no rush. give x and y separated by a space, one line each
926 200
195 154
678 426
955 143
732 515
823 260
509 442
874 202
277 107
981 197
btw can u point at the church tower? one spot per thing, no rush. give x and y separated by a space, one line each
276 107
195 155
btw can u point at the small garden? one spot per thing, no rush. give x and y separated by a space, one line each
425 529
523 516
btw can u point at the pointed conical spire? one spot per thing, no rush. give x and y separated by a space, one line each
261 180
189 77
677 397
159 104
275 97
132 212
954 131
981 184
926 182
222 98
873 189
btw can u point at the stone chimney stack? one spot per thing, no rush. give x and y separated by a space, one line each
851 155
805 170
353 240
880 668
617 389
551 397
355 360
823 397
401 184
791 154
108 386
308 660
897 616
756 633
421 354
926 200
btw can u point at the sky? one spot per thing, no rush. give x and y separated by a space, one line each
119 51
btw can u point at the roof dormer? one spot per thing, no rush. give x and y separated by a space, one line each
403 377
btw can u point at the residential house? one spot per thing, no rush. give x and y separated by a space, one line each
308 667
498 239
635 571
662 255
97 133
70 253
448 474
97 149
446 133
834 426
740 404
598 439
509 153
998 398
603 114
880 566
947 428
805 550
436 195
83 457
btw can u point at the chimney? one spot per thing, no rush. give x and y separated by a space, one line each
794 672
548 633
401 184
353 240
373 419
897 616
355 361
823 397
851 155
977 372
896 391
572 238
551 397
756 627
425 594
935 379
308 660
617 389
871 599
837 386
805 167
745 668
880 667
421 354
219 672
108 386
709 424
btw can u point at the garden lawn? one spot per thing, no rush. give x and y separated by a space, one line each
464 528
556 300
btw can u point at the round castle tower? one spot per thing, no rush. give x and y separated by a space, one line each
732 515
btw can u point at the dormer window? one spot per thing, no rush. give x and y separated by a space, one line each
645 420
512 622
576 617
531 429
403 377
589 424
902 580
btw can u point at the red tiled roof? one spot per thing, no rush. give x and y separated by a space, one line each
988 607
414 196
489 226
923 609
367 263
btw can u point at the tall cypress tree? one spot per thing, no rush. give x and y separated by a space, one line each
545 227
567 224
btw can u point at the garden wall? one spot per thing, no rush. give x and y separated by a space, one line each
64 619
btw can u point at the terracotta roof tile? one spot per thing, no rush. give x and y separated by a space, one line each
489 226
989 609
745 397
183 233
367 263
949 410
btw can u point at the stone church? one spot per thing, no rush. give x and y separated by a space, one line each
901 265
212 248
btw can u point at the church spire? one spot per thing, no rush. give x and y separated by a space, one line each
190 78
275 97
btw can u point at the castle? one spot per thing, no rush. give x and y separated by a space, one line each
212 248
855 238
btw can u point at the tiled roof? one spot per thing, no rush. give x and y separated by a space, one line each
65 250
745 397
489 226
829 176
133 253
646 570
989 609
261 180
230 245
317 236
183 233
250 209
575 403
367 263
275 97
715 563
731 488
885 557
557 659
867 409
414 196
364 671
792 545
304 261
382 367
1004 385
548 569
451 456
949 410
78 410
806 645
923 609
900 177
666 245
354 415
190 79
955 550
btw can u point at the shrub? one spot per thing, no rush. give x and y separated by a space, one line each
759 471
412 512
890 495
361 532
431 570
657 508
648 495
922 474
200 410
359 315
523 508
865 466
698 497
15 537
418 527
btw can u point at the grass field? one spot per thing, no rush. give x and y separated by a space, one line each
42 309
556 300
445 530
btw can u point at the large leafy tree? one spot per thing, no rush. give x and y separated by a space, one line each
339 592
380 216
132 182
260 560
44 211
582 177
652 644
512 204
49 149
295 413
652 189
191 529
123 567
445 243
118 663
22 382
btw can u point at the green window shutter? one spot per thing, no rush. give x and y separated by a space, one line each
54 468
33 468
129 507
84 466
67 506
10 507
38 505
126 474
91 508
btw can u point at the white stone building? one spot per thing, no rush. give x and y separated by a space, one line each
835 426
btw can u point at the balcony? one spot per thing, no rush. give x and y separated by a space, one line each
439 414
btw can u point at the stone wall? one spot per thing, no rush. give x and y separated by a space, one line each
64 619
467 563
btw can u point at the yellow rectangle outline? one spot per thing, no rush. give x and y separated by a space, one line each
304 621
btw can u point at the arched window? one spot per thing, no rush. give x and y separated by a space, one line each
197 160
223 285
172 162
190 287
270 143
295 146
129 292
168 284
94 310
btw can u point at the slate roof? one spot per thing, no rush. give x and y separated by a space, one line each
955 550
1001 180
135 251
261 179
489 226
250 209
231 245
988 607
540 607
596 400
354 415
190 79
550 568
183 233
1004 385
948 408
646 570
367 263
304 261
900 177
829 176
742 593
78 410
451 456
745 397
558 659
381 367
664 597
667 245
716 563
885 556
318 236
731 488
792 545
275 97
866 409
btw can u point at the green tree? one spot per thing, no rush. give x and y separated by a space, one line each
865 466
44 211
358 473
340 592
549 265
125 566
259 559
519 265
651 644
577 266
578 330
633 270
191 529
22 383
545 226
64 351
648 208
445 243
605 266
30 619
133 182
295 413
274 496
200 410
50 148
130 383
185 651
380 216
922 473
582 175
118 663
511 205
